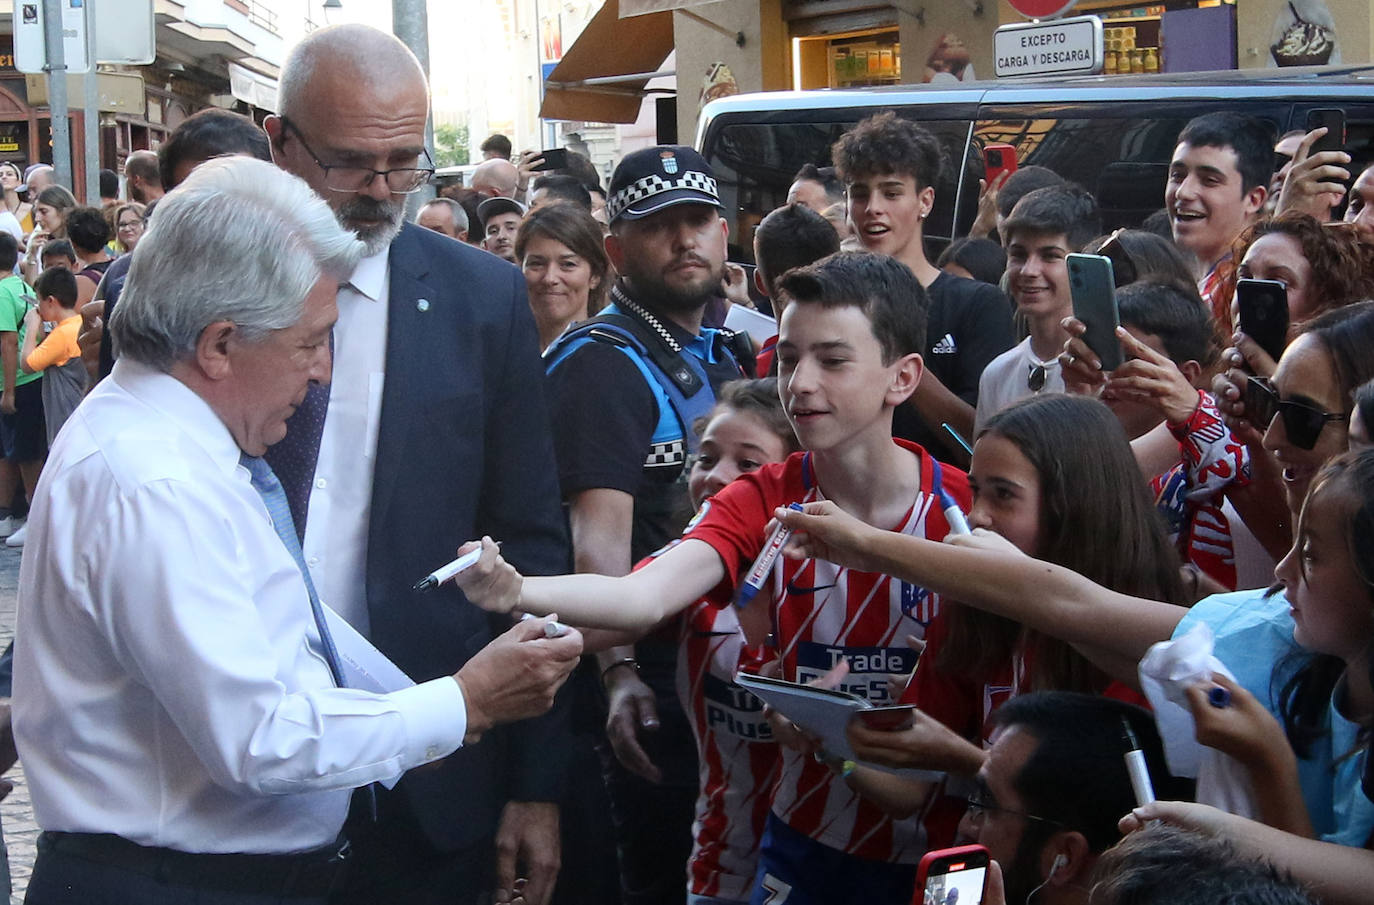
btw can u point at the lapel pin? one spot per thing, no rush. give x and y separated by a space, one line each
422 304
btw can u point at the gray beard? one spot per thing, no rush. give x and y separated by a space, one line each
375 238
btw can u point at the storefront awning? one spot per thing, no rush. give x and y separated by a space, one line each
252 87
601 78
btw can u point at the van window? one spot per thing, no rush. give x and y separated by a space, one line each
1123 161
754 164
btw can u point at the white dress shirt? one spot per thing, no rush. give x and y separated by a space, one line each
168 686
335 544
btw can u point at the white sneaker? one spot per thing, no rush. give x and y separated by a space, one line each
17 538
7 526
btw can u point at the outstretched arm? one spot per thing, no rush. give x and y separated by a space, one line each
987 572
633 602
1337 874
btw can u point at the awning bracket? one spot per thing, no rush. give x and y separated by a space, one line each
737 37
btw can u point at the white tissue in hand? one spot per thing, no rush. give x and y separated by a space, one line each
1166 672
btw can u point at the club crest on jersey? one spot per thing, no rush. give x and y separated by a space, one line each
914 598
701 514
669 162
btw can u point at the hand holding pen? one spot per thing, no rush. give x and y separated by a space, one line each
483 576
1233 721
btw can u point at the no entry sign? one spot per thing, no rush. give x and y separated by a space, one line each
1041 9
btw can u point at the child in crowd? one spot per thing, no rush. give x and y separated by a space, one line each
1303 655
848 355
58 253
791 236
1218 180
1171 353
890 167
1137 255
974 259
736 753
1080 504
58 356
21 403
1044 227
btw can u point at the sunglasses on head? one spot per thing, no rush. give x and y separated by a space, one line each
1123 265
1302 423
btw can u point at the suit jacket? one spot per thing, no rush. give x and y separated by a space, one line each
464 449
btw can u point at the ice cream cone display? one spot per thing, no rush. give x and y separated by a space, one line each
1304 43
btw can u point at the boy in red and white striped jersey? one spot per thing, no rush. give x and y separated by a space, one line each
849 354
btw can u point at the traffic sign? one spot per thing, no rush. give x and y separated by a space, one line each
1059 47
123 34
30 53
1041 9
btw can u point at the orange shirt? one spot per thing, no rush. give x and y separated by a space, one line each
59 348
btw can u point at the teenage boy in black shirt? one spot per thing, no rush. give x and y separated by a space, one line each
890 166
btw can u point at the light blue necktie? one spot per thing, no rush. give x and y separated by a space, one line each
269 488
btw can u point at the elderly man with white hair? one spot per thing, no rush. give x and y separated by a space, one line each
181 700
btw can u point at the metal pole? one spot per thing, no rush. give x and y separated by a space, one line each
57 92
410 23
90 112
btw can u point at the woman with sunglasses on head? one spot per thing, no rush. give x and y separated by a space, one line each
1140 255
1321 701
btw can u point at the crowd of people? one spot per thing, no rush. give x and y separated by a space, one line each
282 407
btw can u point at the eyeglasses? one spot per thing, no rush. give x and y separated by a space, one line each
131 224
979 806
1302 423
1037 377
400 180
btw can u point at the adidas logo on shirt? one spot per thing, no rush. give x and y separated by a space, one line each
945 346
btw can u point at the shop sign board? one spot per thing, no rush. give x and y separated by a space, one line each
1060 47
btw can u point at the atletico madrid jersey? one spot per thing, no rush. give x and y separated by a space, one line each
823 613
737 756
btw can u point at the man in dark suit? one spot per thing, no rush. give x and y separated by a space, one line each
436 432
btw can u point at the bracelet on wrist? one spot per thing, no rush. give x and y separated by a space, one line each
631 662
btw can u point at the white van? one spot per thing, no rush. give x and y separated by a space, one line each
1114 135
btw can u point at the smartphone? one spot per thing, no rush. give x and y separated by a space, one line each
1334 121
998 159
554 159
952 875
1093 287
1263 307
893 718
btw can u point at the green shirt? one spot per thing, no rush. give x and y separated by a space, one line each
15 298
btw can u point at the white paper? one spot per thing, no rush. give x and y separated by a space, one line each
825 715
760 327
363 666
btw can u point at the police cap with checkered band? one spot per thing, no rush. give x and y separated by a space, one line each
652 179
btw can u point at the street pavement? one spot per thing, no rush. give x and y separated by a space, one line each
16 813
